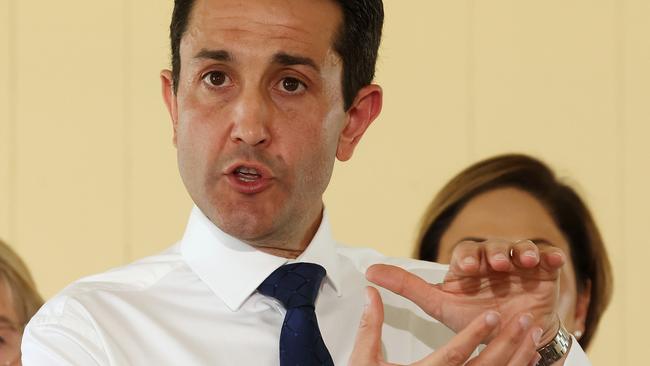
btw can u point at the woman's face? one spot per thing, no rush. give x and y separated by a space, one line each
10 329
513 214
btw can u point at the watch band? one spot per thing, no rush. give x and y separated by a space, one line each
556 348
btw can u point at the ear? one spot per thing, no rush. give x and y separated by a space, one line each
365 108
582 308
169 96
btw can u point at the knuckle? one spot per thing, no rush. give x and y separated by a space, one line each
454 356
514 339
364 324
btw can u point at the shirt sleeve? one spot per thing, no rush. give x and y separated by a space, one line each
577 356
59 334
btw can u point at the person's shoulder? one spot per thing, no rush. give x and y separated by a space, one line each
133 276
363 258
69 319
137 276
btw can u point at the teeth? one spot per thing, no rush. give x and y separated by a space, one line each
245 170
247 179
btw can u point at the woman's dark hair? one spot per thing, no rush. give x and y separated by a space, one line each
357 42
571 215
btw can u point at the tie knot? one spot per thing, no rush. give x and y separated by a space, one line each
294 285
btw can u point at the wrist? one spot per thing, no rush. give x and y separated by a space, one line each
556 350
551 331
561 361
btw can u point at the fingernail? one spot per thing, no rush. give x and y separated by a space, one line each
492 318
537 335
500 257
367 297
469 261
525 320
530 253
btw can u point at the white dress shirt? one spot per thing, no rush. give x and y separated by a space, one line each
197 304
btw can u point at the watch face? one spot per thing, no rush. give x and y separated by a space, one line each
555 349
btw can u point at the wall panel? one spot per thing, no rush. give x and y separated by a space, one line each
69 138
633 283
159 203
6 33
420 138
546 84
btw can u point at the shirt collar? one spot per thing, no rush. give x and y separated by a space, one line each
233 269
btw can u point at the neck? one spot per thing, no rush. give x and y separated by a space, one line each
280 252
281 249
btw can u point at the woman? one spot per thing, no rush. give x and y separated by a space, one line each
518 197
19 301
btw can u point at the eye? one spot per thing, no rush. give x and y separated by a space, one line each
217 79
292 85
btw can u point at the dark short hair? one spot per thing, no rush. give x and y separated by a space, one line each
357 42
569 212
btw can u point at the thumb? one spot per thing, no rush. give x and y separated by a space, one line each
367 346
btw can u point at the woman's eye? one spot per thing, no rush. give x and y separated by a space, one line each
216 78
292 85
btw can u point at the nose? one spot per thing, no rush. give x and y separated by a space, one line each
250 119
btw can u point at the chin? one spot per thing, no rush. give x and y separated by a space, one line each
247 232
244 225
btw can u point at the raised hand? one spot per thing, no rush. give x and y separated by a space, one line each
508 277
515 344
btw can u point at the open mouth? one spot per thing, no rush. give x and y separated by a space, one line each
249 177
246 174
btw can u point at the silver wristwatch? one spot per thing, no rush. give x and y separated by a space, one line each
556 348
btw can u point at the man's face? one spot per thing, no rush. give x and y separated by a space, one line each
258 114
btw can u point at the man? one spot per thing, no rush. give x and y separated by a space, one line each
263 96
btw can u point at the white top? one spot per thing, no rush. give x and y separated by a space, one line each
196 304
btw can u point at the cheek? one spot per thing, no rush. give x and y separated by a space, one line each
197 141
568 297
199 123
314 128
445 250
311 149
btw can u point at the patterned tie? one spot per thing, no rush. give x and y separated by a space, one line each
296 287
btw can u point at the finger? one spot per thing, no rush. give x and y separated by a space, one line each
466 257
406 284
460 348
525 254
502 348
367 346
527 352
497 253
551 258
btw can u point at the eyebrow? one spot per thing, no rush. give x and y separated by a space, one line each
286 59
281 58
470 238
217 55
537 241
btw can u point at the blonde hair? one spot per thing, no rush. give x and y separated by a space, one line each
20 285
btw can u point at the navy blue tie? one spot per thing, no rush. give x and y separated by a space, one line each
296 286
